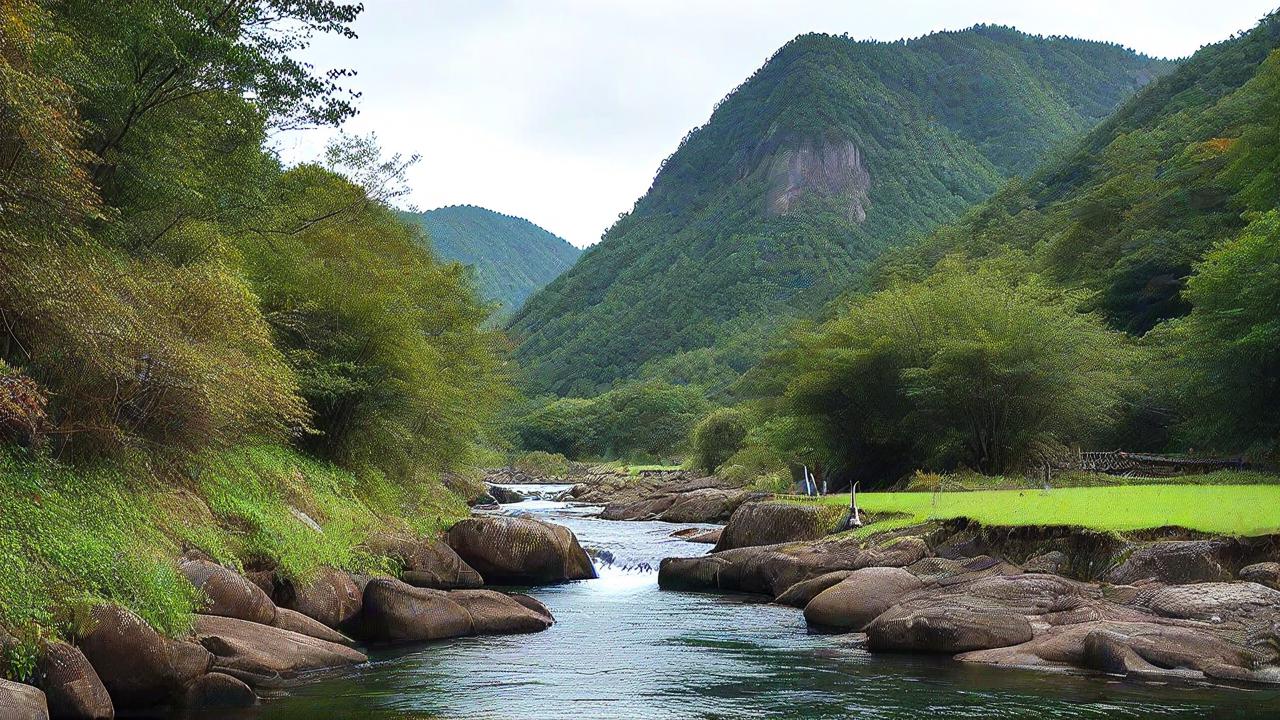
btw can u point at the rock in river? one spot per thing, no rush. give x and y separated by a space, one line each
22 702
515 550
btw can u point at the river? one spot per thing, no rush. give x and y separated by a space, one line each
621 648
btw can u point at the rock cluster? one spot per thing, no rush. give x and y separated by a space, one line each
256 631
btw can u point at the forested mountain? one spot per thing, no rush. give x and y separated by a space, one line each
833 151
512 257
1129 209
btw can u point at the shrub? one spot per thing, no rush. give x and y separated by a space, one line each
542 464
717 437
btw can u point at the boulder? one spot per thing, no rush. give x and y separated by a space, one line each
265 656
645 509
772 569
506 496
22 702
1171 561
219 691
70 684
533 604
1266 573
332 598
1242 604
517 550
860 598
945 571
709 537
395 611
294 621
228 593
708 505
770 523
801 593
138 666
429 563
1146 649
493 613
946 629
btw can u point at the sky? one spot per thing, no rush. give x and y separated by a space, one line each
560 111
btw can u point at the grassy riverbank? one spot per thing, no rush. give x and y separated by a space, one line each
1239 510
72 537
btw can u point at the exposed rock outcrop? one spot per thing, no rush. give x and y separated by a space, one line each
138 666
265 656
219 691
397 612
860 598
429 563
801 593
1265 573
1172 561
229 593
23 702
517 550
770 523
331 598
294 621
822 167
71 685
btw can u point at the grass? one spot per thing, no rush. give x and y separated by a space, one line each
74 537
1239 510
931 482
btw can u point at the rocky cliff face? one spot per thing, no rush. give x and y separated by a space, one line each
827 168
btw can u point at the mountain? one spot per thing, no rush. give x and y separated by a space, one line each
830 153
1133 205
512 257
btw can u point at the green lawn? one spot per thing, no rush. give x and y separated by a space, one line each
1222 509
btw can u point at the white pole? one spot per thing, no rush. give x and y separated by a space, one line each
854 520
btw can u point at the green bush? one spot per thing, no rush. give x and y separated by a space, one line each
717 437
542 464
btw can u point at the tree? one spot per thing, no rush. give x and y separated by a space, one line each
966 368
717 437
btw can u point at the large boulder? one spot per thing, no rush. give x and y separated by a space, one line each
1248 606
644 509
946 629
294 621
138 666
505 495
1173 562
331 598
398 612
770 523
860 598
22 702
265 656
1264 573
945 571
1148 649
228 593
801 593
218 691
772 569
708 505
429 563
517 550
71 685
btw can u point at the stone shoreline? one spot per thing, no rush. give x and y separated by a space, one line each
259 632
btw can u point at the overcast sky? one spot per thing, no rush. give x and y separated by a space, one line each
560 110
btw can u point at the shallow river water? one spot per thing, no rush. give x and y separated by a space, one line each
620 648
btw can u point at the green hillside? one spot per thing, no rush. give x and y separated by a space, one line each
512 257
1141 198
833 151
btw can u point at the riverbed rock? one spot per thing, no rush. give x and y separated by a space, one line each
945 571
138 666
772 569
1149 650
801 593
70 684
395 611
229 593
860 598
22 702
428 563
645 509
294 621
493 613
332 598
708 505
1266 573
1251 607
945 629
518 550
265 656
770 523
219 691
1171 561
506 496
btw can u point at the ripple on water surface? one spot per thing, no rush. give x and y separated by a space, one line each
622 649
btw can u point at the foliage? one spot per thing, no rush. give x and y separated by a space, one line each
967 368
717 437
1226 353
1239 510
691 285
648 419
511 257
540 463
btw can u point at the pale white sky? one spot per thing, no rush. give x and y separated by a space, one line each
560 110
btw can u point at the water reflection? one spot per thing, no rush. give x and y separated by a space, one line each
622 649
